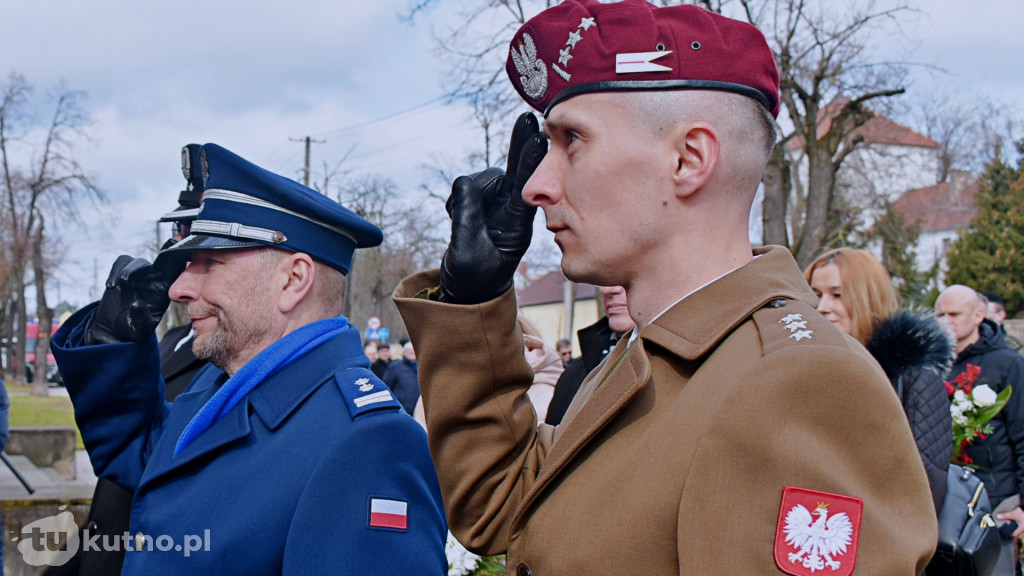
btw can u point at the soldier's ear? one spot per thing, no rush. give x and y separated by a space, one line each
300 274
697 146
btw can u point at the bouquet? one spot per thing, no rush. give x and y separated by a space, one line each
972 405
462 562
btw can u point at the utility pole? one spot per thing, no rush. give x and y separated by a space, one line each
305 170
569 303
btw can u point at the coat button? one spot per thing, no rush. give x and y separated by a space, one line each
140 541
523 570
92 527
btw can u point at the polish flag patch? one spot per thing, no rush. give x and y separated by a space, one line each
817 532
393 514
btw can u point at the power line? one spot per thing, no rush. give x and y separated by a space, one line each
374 121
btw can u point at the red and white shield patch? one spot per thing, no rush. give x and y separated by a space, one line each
817 533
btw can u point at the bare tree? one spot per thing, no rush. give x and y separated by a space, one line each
827 79
971 130
413 241
44 314
39 178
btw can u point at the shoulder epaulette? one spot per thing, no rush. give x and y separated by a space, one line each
364 392
783 323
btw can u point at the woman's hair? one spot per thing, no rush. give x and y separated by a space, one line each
867 291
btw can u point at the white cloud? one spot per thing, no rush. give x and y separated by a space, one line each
253 75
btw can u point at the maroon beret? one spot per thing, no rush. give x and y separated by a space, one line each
585 46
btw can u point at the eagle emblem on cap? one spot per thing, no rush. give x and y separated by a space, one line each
533 73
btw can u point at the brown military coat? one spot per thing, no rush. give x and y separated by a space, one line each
674 456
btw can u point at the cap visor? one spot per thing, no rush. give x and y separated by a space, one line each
203 242
180 215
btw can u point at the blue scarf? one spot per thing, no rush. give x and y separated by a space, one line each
262 366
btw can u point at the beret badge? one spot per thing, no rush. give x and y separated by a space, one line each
533 72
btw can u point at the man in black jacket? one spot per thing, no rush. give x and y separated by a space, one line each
402 377
999 456
997 313
596 341
111 504
380 365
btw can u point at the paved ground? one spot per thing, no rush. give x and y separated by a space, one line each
48 483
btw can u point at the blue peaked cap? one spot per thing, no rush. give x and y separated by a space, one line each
245 206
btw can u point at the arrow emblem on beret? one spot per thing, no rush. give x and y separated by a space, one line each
640 62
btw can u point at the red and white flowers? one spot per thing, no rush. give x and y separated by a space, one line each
972 406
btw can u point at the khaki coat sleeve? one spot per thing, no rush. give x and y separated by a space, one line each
786 426
481 425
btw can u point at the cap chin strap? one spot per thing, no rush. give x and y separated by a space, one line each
236 230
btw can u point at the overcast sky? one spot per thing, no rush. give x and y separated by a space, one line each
254 75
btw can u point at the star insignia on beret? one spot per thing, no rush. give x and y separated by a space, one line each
586 23
574 37
564 56
364 384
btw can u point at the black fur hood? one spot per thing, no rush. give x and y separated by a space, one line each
910 340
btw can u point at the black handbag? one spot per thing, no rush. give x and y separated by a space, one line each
968 538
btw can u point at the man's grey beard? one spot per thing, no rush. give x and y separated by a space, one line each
227 340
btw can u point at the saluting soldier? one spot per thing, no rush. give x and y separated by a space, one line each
111 506
735 431
286 455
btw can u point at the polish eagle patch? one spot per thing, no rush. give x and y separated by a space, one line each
817 533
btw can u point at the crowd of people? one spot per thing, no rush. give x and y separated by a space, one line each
724 410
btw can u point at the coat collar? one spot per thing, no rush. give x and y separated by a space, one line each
689 330
273 401
699 322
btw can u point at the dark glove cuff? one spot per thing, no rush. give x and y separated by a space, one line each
475 291
92 334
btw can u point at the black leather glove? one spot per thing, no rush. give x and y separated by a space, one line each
134 300
491 225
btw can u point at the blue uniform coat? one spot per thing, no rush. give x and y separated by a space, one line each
282 484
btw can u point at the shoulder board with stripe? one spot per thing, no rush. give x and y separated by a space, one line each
364 392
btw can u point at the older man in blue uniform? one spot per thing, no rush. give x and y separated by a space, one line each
286 455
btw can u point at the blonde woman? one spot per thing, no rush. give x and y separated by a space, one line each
856 294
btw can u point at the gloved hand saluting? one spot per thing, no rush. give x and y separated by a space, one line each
491 224
134 300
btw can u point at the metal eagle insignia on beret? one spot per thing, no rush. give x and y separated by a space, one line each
533 73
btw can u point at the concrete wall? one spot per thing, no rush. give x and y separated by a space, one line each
45 446
550 320
19 513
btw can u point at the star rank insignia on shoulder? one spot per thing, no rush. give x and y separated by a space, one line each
361 393
817 530
797 326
